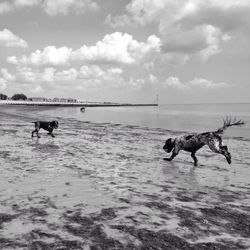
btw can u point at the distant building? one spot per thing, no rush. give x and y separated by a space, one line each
56 99
71 100
81 101
37 99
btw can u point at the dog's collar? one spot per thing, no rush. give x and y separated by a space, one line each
174 142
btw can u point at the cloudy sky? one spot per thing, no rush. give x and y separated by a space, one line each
187 51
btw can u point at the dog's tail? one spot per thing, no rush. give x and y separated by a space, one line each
229 122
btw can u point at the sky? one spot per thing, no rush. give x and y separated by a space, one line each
186 51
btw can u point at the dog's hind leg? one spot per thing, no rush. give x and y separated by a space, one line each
226 153
32 134
35 131
38 136
194 158
216 146
37 128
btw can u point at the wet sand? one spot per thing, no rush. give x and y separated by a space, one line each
105 186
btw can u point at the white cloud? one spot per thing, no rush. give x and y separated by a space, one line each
117 21
140 12
29 75
5 7
115 71
37 89
90 72
94 77
2 84
48 75
206 83
152 78
52 75
87 78
189 27
26 75
118 47
113 48
49 56
8 39
25 3
147 82
213 38
51 7
67 75
54 7
203 40
7 76
175 82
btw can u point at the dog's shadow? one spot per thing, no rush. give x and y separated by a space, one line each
44 146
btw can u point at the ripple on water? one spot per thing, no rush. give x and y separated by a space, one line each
106 185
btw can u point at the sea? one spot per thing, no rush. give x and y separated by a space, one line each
176 117
102 183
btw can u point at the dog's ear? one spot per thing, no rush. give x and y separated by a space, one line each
169 145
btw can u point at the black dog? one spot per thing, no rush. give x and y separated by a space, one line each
48 126
193 142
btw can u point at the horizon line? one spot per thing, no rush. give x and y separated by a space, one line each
196 103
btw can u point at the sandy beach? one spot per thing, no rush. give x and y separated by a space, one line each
105 186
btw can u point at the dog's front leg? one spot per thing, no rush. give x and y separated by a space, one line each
171 157
194 158
38 136
51 133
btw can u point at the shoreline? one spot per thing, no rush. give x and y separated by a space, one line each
66 104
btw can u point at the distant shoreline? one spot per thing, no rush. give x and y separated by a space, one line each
68 104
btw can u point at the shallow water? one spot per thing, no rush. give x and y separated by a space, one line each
105 185
189 117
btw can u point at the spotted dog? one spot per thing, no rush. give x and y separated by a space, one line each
193 142
48 126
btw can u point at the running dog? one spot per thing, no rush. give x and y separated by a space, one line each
48 126
193 142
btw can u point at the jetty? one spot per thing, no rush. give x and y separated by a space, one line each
74 104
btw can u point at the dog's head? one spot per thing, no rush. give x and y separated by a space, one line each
54 124
169 145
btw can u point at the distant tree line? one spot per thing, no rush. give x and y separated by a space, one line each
3 97
15 97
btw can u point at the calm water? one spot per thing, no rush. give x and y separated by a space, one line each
192 117
103 180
